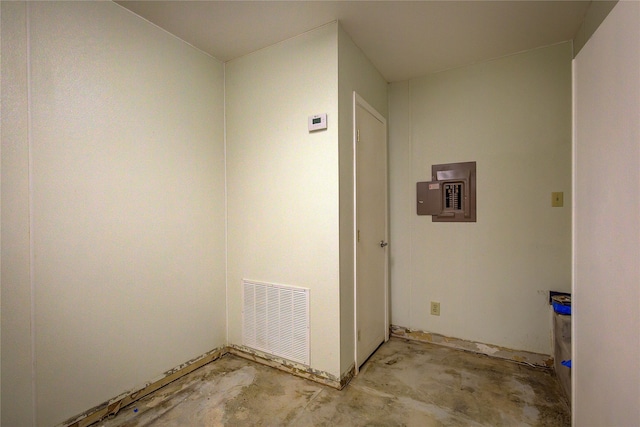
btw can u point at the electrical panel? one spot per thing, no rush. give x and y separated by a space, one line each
450 196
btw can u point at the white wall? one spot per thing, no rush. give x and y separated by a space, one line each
606 291
119 179
513 117
283 181
355 72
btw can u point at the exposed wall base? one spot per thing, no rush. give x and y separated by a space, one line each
294 368
112 406
535 359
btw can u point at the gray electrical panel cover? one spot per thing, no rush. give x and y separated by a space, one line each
450 196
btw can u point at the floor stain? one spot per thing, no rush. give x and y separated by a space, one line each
404 383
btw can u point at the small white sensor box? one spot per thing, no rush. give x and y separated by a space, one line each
317 122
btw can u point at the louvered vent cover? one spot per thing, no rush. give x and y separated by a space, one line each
275 319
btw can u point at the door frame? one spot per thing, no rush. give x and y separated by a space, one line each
359 101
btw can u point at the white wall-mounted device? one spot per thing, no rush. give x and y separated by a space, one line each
317 122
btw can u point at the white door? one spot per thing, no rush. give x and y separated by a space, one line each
371 230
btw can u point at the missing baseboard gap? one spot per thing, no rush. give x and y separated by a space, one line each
113 406
294 368
520 356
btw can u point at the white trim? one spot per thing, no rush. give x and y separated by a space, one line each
355 235
358 100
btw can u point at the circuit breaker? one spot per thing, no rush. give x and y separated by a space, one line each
450 196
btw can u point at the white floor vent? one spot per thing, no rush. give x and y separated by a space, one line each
275 319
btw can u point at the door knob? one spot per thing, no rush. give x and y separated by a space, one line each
383 243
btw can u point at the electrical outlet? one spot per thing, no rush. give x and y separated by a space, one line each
435 308
557 199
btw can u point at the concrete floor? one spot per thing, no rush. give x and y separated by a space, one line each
403 384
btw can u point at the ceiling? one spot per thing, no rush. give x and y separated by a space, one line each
403 39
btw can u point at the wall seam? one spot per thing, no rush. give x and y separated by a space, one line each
226 204
32 325
0 232
574 169
410 137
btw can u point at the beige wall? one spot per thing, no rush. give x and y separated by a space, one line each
513 117
118 177
113 198
606 289
355 73
297 228
16 290
283 181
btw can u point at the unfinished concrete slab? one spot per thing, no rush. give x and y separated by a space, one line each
404 383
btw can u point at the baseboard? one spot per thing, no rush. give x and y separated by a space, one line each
529 358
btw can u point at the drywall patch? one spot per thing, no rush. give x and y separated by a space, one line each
520 356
